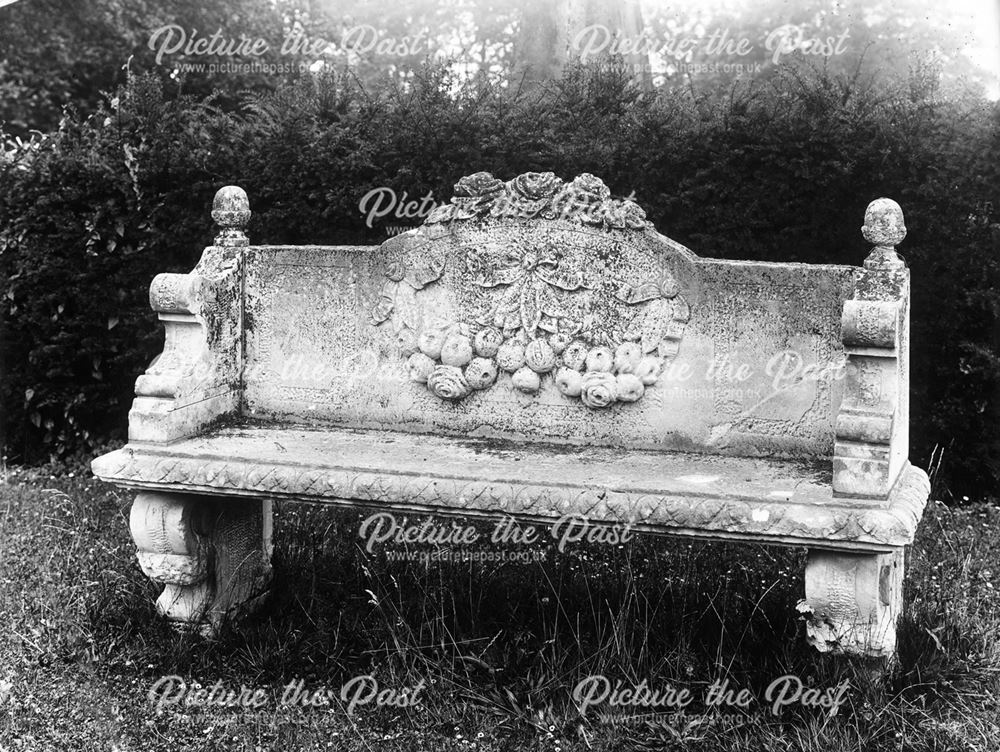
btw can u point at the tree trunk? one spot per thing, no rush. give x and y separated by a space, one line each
557 33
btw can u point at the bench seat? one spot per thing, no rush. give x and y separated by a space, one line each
696 495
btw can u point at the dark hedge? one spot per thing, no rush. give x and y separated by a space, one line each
775 171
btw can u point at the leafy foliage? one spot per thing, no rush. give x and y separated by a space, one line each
778 170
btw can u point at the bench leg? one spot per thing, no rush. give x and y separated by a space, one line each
213 556
853 601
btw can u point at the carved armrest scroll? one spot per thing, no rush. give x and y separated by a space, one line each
197 378
872 427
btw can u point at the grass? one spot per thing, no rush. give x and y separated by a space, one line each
498 646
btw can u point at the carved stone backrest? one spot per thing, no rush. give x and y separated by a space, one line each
537 310
534 322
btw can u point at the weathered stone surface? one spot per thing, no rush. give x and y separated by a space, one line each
197 379
537 350
853 601
211 555
873 423
231 212
885 229
744 358
692 494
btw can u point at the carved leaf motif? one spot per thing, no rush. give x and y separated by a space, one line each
506 276
682 311
562 278
531 309
382 310
443 213
549 303
511 257
473 262
587 328
658 316
509 301
508 310
423 275
408 312
633 295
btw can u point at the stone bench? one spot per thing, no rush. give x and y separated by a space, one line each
535 350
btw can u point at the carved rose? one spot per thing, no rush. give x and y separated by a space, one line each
479 185
448 382
419 367
474 195
590 187
581 197
533 194
535 185
613 214
528 195
635 215
629 387
598 389
620 215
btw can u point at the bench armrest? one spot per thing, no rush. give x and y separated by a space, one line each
197 379
872 429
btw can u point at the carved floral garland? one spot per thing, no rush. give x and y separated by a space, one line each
586 199
527 332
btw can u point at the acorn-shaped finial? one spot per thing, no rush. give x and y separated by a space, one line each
884 228
231 212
